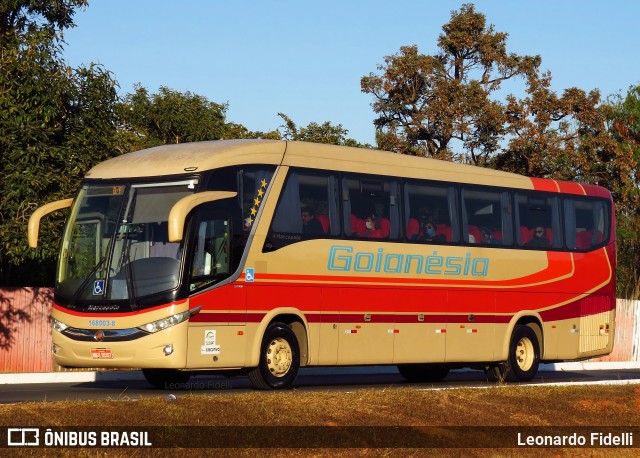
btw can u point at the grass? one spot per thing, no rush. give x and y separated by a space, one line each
517 407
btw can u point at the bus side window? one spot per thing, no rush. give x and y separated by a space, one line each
319 199
307 209
211 254
537 217
586 223
486 217
371 207
429 213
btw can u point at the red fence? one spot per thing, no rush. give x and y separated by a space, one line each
25 331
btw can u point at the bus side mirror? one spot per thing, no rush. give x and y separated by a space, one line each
181 209
34 219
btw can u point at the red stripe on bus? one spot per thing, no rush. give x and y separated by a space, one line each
403 319
544 184
115 314
568 187
322 317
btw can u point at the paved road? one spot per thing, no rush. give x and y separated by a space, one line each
315 379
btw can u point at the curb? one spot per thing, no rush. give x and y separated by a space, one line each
131 375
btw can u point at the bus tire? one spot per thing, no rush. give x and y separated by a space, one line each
279 359
524 356
165 379
423 372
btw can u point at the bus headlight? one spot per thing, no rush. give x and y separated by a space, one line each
58 325
165 323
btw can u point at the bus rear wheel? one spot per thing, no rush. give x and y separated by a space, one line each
165 379
523 359
279 359
423 372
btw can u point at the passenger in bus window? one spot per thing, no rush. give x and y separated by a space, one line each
375 227
539 239
428 231
371 224
487 237
310 224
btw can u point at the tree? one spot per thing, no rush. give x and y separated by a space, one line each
21 16
238 131
426 102
318 133
623 120
564 137
169 117
55 123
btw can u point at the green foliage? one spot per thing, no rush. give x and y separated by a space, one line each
318 133
169 117
238 131
20 16
623 120
55 123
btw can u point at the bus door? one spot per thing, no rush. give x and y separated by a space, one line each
214 339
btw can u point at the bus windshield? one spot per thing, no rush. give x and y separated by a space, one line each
116 246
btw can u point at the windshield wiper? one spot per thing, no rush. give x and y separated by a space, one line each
87 279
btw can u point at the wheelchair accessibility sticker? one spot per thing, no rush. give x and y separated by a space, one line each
98 287
249 275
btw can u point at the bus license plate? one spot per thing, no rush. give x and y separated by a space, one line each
101 353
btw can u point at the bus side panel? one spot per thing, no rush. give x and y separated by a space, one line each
366 325
324 349
470 336
596 334
420 326
584 327
217 335
216 346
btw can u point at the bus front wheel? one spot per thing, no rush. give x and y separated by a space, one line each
524 356
279 359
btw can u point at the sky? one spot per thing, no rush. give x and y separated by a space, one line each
306 58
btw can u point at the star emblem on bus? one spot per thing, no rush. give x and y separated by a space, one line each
256 203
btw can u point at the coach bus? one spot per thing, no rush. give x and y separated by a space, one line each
260 257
